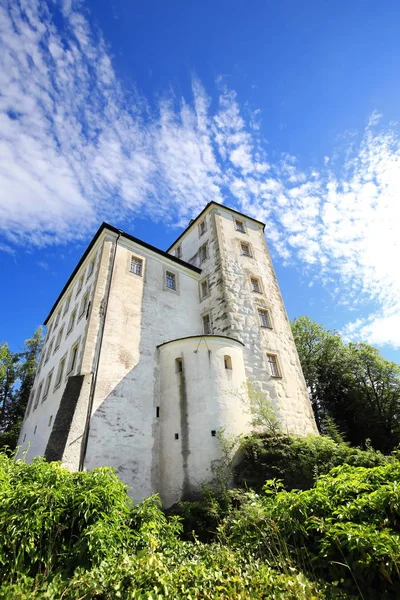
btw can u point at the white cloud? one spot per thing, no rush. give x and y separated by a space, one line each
77 148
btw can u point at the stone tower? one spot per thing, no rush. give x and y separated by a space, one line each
148 353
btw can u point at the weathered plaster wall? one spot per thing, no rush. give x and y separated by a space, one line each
288 393
141 314
202 398
39 421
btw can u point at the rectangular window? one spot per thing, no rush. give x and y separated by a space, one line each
66 305
47 386
170 280
178 365
240 226
60 371
202 227
73 359
84 304
90 269
273 365
31 397
50 348
71 321
255 285
178 251
80 285
136 265
204 288
59 337
203 253
245 249
265 319
57 319
206 324
39 393
50 420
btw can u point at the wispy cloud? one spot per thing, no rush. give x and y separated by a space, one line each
77 148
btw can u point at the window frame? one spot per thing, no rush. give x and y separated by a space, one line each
207 292
67 305
207 316
276 364
47 385
168 271
84 304
267 312
139 262
59 339
242 227
203 252
258 282
71 322
73 356
202 227
79 286
38 394
228 362
90 268
248 246
60 372
49 351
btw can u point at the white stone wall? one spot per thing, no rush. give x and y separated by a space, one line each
234 312
141 315
38 421
204 397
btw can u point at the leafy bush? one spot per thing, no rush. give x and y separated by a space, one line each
345 529
297 461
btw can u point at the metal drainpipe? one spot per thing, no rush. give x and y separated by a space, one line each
96 369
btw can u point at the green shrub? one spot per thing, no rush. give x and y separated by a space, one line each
345 529
297 461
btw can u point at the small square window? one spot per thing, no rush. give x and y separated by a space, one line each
178 251
177 436
170 280
240 226
206 324
228 362
202 227
136 265
203 253
273 365
245 249
204 288
265 319
255 285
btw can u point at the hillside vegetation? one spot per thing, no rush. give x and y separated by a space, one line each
78 536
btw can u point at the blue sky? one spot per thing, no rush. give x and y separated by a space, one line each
139 113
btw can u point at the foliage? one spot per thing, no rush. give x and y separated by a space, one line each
17 373
297 461
350 383
78 536
344 530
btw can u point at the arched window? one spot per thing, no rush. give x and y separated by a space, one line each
228 362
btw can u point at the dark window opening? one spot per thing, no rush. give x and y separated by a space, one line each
177 436
157 411
178 365
228 362
213 432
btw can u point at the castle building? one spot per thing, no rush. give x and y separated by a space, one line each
148 353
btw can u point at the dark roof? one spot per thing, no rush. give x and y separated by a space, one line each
232 210
201 335
102 227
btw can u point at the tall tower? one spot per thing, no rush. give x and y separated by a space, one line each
148 353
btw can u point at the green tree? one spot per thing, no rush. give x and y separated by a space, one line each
351 384
17 373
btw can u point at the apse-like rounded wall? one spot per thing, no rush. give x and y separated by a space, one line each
202 389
